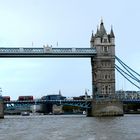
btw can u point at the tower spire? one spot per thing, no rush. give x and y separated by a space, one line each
112 33
102 28
92 37
97 32
92 33
101 20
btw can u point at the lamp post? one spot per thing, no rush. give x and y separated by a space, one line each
86 98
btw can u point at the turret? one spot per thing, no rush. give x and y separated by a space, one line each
92 40
101 36
102 29
112 36
97 37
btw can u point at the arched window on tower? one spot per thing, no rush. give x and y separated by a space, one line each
105 76
109 89
105 49
103 89
105 40
106 89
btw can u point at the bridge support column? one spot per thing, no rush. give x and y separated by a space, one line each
1 108
104 107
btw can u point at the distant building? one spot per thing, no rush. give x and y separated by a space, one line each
128 94
82 97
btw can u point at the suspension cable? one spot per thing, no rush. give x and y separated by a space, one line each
126 77
122 63
127 73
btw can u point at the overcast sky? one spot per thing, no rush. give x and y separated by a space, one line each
24 23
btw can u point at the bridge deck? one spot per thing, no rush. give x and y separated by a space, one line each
47 52
64 101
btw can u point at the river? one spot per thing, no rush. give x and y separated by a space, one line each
70 127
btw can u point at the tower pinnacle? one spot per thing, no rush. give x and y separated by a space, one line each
112 33
102 28
92 37
101 20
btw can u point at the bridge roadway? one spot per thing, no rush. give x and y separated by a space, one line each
80 103
47 52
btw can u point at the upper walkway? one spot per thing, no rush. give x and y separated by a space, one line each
47 52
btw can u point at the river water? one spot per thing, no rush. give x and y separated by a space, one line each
70 127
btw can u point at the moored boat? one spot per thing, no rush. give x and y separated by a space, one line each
25 113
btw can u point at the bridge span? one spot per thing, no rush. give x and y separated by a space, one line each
79 103
47 52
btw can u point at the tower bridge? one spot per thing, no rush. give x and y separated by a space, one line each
102 55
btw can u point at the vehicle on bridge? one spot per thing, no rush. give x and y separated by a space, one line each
25 98
6 98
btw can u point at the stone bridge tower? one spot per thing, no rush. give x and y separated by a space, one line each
103 65
103 75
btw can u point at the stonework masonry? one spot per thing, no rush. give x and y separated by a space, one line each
103 69
1 108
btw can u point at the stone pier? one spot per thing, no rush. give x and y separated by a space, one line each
1 108
104 107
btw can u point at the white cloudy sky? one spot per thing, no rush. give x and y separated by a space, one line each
70 23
